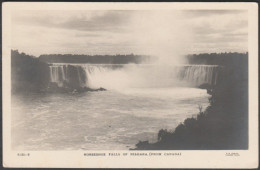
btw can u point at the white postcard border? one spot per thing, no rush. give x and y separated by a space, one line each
188 158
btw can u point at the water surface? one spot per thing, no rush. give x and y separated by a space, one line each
105 120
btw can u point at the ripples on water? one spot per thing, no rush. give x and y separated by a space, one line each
106 120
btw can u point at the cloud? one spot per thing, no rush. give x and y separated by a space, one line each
207 13
148 32
74 20
222 31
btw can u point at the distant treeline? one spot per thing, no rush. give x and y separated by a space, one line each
224 59
94 59
223 125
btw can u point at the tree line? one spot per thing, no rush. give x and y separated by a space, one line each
94 59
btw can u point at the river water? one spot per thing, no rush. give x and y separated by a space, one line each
104 120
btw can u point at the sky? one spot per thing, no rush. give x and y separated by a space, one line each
153 32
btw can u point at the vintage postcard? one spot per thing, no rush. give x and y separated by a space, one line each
130 85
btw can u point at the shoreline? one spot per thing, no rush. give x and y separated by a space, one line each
223 125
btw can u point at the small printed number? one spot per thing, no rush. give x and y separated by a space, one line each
23 154
232 154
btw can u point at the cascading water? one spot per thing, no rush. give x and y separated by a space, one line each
68 75
58 74
121 76
199 74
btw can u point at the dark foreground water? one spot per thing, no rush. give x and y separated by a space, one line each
105 120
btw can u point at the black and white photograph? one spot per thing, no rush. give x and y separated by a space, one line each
144 81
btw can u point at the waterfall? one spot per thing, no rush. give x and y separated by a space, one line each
58 74
109 76
198 74
74 76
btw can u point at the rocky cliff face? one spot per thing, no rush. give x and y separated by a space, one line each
28 73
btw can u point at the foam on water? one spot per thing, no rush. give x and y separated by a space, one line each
100 120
